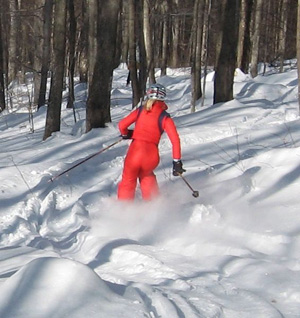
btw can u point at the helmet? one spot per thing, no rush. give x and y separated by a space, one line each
156 91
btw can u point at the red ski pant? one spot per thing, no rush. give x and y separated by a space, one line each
141 159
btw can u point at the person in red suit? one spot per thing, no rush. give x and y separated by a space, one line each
151 120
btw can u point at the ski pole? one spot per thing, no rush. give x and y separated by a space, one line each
86 159
195 193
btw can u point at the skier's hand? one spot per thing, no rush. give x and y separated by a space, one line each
177 168
129 134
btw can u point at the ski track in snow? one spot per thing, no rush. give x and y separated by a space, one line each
232 253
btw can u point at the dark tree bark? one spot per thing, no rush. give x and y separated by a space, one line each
147 28
2 89
256 38
224 72
13 41
298 50
196 53
98 103
71 61
132 51
47 30
57 78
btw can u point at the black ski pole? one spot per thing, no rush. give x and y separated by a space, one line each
86 159
195 193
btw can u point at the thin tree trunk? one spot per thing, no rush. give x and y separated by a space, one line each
196 64
132 66
92 51
148 42
165 34
47 30
83 45
2 88
224 74
205 47
282 32
256 38
298 51
38 33
13 41
174 61
57 79
71 64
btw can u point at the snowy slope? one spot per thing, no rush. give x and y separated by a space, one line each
68 248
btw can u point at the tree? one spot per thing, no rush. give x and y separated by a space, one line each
224 72
98 103
47 31
282 32
197 51
256 38
71 56
298 51
147 28
13 41
57 78
244 43
2 88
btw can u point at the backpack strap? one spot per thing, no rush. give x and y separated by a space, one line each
160 120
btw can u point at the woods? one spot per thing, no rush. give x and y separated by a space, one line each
58 41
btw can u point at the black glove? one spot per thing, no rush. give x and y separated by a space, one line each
177 168
129 134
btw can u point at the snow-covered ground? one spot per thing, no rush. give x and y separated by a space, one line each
69 249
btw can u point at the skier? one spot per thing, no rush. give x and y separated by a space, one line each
151 120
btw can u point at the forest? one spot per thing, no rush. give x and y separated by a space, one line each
56 41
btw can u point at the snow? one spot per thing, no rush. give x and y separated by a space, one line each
68 248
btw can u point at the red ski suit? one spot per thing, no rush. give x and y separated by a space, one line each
142 156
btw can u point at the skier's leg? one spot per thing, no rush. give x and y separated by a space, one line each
149 186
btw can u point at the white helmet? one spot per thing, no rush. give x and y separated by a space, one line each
156 91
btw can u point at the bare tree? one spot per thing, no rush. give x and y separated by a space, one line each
71 53
196 54
13 40
298 51
244 43
57 78
256 38
282 32
2 88
47 31
98 103
147 27
224 73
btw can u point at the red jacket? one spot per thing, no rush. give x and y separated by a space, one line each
147 126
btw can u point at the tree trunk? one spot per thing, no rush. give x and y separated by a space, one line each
298 51
83 45
196 58
224 73
92 51
38 43
132 65
71 64
2 88
47 30
57 78
98 103
244 43
174 61
13 41
148 42
256 38
282 32
165 34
